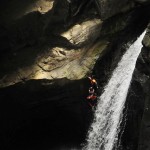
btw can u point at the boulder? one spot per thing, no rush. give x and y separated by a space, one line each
146 40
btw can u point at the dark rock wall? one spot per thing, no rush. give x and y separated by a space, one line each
54 114
138 92
42 115
135 133
135 103
145 70
107 6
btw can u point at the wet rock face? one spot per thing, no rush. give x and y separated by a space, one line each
144 131
133 116
136 132
144 138
48 40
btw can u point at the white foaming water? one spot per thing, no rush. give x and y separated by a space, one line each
108 115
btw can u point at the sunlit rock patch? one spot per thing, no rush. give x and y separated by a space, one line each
58 63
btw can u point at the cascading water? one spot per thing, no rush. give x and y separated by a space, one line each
108 115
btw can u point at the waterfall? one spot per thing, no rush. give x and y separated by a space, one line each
108 115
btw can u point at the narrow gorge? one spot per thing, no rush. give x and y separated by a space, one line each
49 48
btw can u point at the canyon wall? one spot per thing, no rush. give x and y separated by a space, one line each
48 48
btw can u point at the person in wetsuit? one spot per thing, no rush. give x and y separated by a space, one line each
92 98
93 83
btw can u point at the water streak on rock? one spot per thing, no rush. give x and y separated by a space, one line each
108 115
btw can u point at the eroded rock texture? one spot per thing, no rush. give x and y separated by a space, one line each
48 48
50 38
